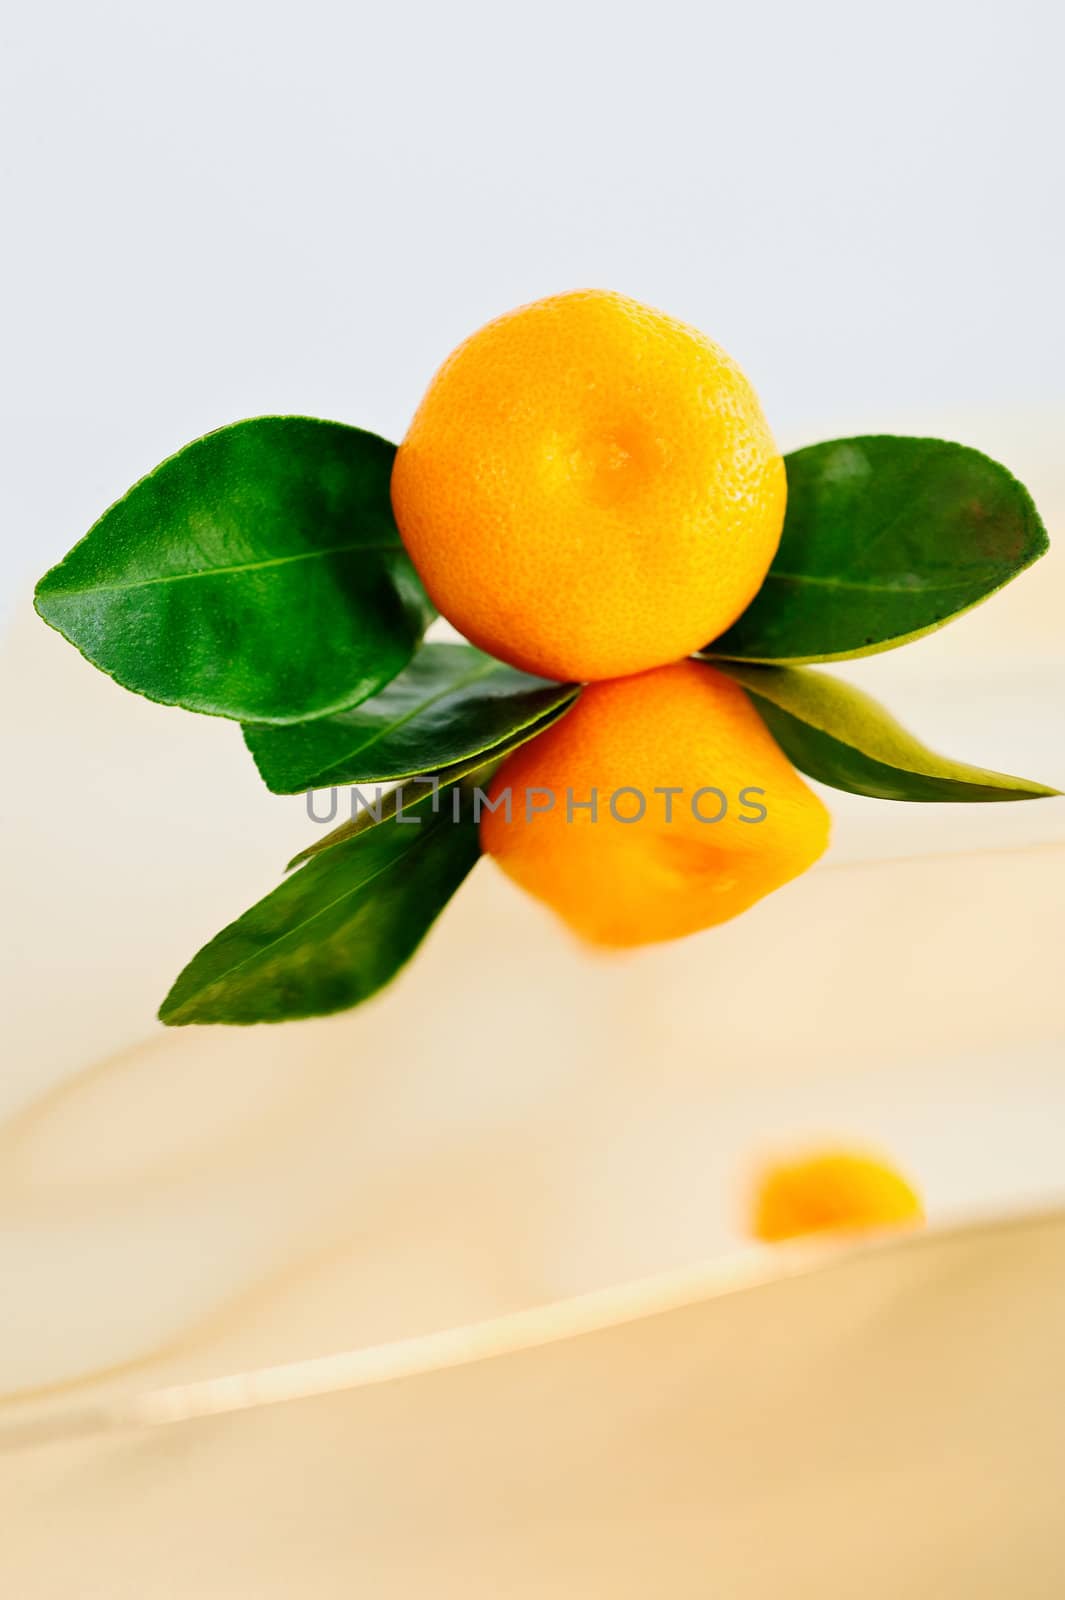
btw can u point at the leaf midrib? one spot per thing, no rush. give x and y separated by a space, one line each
974 777
223 572
482 670
264 950
825 582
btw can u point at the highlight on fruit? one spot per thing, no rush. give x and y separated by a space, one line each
590 494
589 489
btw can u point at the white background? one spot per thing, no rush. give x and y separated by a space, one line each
217 210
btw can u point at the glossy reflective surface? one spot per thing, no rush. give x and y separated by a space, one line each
513 1124
859 1427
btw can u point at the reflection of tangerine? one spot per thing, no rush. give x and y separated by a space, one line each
832 1190
589 488
686 728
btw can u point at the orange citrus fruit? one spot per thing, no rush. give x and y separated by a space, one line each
589 488
697 812
829 1191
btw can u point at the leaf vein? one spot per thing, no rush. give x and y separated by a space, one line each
826 582
301 927
225 572
482 670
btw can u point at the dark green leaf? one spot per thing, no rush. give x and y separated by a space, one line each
336 931
452 702
478 768
257 574
884 540
840 736
383 806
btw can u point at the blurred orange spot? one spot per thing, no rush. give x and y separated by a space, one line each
830 1191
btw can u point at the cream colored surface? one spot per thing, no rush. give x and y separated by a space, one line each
884 1426
514 1123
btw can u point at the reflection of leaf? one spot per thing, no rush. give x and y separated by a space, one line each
884 539
425 789
257 574
452 702
333 933
424 786
840 736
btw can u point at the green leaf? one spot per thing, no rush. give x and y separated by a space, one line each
335 932
884 540
452 702
413 790
257 574
842 737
